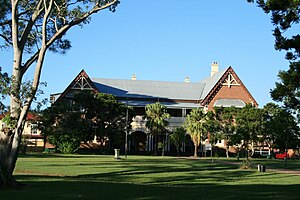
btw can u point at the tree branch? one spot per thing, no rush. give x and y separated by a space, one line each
77 21
64 29
6 39
30 61
46 16
6 22
9 21
14 19
30 24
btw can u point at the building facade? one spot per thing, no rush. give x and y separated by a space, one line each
222 88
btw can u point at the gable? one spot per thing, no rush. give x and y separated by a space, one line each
229 86
81 82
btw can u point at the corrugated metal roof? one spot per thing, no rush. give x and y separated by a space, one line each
149 89
211 82
157 89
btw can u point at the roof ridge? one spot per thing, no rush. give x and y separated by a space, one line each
129 80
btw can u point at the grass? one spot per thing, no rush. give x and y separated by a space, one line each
279 164
144 177
292 164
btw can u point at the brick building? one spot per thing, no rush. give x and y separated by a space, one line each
222 88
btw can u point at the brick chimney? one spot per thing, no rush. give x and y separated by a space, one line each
214 68
187 79
133 77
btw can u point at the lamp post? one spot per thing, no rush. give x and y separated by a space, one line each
126 131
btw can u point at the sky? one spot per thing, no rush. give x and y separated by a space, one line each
168 40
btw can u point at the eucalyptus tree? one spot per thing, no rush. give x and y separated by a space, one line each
31 28
156 120
177 138
195 125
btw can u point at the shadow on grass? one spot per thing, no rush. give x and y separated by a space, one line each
57 155
76 188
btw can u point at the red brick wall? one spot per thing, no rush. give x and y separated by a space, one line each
234 92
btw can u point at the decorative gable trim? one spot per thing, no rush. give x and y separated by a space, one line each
81 82
229 78
230 81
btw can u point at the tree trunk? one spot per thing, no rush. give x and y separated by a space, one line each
10 138
227 151
238 154
195 151
252 149
9 149
211 153
286 153
10 141
155 144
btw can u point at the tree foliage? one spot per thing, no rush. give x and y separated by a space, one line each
4 87
156 120
281 129
195 125
63 126
102 116
107 116
285 14
177 138
249 125
226 118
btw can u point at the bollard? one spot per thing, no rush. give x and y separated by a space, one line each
117 154
261 168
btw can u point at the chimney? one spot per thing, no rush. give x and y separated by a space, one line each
214 68
187 79
133 77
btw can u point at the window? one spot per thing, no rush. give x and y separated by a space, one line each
139 110
188 111
175 112
34 128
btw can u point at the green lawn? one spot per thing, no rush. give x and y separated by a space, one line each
292 164
144 177
277 163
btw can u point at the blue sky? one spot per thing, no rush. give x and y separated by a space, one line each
169 40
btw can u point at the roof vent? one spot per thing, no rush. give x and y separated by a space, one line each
187 79
214 68
133 77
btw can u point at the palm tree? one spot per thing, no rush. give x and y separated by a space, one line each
195 125
156 116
